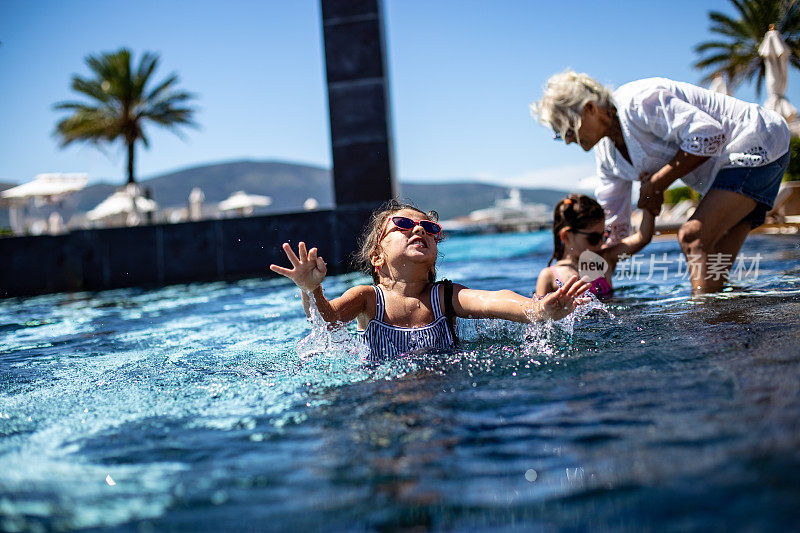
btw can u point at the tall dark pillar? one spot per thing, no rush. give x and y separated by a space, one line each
358 99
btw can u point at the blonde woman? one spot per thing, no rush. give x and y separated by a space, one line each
657 131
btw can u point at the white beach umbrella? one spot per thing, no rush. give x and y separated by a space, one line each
121 202
50 186
244 202
776 60
719 85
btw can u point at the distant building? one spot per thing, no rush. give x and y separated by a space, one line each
506 215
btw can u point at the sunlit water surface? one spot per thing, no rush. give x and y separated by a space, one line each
218 406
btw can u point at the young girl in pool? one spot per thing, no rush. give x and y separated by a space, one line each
578 226
406 310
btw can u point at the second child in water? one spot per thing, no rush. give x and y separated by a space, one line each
578 227
406 310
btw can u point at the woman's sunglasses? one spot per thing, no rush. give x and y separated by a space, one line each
593 237
570 133
405 224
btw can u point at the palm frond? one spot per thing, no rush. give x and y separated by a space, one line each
89 126
170 99
713 60
726 25
760 81
710 45
76 106
163 86
92 89
147 65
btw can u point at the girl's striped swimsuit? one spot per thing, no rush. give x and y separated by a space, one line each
385 340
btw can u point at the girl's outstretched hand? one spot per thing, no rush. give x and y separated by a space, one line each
307 271
562 302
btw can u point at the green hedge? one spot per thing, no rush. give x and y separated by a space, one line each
793 172
673 195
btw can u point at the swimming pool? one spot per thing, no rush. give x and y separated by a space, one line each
191 407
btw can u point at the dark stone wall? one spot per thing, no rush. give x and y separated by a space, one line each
173 253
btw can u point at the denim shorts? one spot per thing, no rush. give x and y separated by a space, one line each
759 183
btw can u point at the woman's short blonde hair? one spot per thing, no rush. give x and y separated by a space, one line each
563 100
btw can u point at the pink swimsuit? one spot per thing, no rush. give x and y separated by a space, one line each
600 287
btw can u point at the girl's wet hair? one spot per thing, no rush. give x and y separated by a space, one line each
368 243
576 211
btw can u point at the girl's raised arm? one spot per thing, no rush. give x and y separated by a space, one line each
308 270
633 243
508 305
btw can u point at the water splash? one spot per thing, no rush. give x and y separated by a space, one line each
330 340
534 344
553 338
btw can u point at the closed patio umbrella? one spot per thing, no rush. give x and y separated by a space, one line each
196 199
776 61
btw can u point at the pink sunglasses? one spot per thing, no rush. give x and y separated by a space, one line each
406 224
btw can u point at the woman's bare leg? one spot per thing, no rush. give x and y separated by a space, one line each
728 247
715 228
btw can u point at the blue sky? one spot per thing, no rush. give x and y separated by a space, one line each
462 74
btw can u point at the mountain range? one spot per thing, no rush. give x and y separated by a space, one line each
289 185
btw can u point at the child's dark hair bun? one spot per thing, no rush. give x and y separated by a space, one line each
576 211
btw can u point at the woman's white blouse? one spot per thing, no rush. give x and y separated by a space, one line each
659 116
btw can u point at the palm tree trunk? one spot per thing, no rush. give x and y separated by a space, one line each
130 143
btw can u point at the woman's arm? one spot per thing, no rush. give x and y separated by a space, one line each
508 305
698 135
651 192
632 244
307 272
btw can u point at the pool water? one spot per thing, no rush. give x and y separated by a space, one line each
218 406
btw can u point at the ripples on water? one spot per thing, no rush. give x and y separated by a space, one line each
194 407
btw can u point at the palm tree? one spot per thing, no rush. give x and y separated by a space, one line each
120 102
735 55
